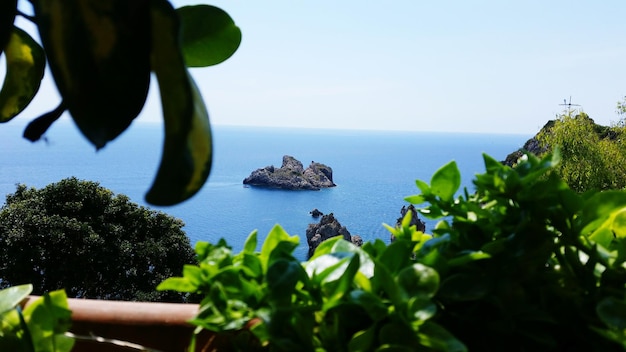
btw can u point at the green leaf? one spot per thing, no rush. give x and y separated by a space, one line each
619 223
363 340
252 265
251 242
600 207
327 267
25 64
612 312
208 35
282 277
491 164
472 256
8 10
423 186
99 55
12 296
344 283
193 273
383 280
446 181
420 309
418 280
276 235
437 338
48 319
396 256
178 284
371 303
187 150
415 199
326 247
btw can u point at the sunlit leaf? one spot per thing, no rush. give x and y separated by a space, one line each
10 297
446 181
326 247
600 206
276 235
415 199
251 243
619 223
179 284
491 164
48 318
363 340
327 267
473 256
208 35
187 149
423 186
25 64
344 283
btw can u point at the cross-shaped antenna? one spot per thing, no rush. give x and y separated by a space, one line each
569 105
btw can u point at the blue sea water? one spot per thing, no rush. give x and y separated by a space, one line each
373 170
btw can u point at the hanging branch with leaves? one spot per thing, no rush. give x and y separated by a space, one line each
101 54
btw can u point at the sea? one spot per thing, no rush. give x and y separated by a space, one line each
373 170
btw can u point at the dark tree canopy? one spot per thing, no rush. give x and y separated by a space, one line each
82 237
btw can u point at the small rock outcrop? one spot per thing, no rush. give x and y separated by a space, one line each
292 175
316 213
328 227
415 220
532 146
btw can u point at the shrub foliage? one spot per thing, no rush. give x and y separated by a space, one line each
523 264
80 236
593 156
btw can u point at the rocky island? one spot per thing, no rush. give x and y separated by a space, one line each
292 175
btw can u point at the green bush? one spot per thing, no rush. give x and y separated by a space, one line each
79 236
526 263
523 264
593 156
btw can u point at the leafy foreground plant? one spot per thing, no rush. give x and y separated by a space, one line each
523 264
101 54
344 298
526 264
39 327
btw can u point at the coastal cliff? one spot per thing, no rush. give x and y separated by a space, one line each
293 176
532 146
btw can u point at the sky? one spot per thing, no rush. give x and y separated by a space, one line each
489 66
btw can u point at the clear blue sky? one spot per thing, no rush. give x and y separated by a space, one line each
462 66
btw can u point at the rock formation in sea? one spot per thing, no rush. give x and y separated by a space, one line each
415 220
328 227
292 175
316 213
